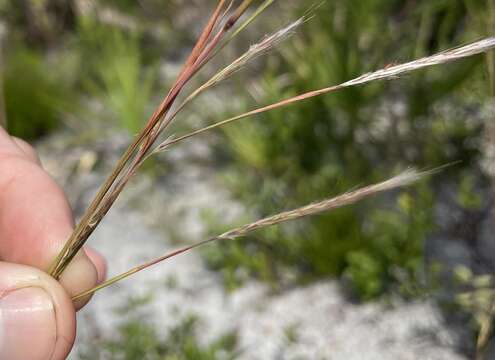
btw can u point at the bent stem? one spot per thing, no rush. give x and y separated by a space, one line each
136 152
404 179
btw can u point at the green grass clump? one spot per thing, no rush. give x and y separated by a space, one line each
116 72
394 249
139 339
331 144
36 98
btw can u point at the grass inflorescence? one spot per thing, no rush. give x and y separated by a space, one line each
223 26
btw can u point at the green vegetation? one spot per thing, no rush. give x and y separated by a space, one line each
476 297
292 156
331 144
287 157
110 63
116 72
35 97
139 339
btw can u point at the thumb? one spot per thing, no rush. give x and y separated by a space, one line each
37 318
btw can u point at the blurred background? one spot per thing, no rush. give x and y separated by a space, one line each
405 275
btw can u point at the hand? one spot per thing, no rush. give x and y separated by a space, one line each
37 316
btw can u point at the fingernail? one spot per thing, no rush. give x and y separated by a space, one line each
28 327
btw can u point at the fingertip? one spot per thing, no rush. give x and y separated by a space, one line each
99 262
80 275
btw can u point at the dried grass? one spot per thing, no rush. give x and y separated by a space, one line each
219 31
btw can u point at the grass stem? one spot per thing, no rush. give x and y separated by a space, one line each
404 179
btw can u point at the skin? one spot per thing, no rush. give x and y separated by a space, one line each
37 316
